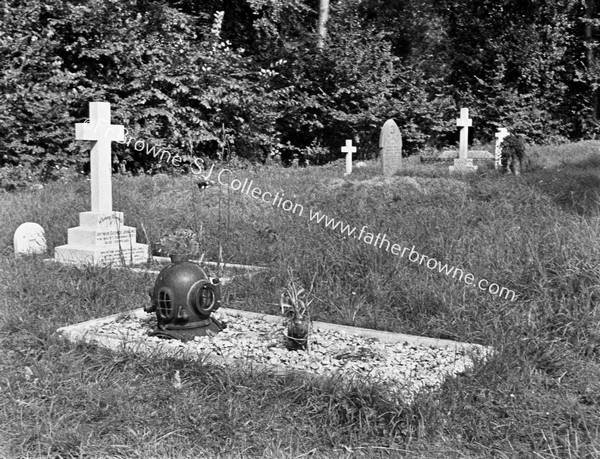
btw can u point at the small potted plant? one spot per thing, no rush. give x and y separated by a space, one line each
181 245
294 307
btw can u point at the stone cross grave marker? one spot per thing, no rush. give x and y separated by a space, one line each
102 133
349 149
29 238
463 163
500 136
390 144
464 123
101 237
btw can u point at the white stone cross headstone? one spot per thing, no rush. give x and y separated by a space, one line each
464 122
463 163
29 238
500 136
101 237
349 149
103 133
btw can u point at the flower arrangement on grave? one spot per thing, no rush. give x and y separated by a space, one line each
180 245
294 307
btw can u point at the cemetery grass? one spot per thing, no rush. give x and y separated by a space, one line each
537 234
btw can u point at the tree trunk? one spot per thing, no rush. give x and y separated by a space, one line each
323 17
590 14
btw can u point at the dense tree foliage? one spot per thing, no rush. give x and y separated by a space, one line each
247 78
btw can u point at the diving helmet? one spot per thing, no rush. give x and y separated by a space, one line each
184 297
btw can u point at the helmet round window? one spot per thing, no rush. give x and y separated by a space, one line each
205 299
165 308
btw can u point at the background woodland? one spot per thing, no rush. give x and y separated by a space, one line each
254 83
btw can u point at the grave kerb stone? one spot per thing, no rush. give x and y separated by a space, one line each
463 165
448 155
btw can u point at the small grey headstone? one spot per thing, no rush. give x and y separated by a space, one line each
29 239
390 144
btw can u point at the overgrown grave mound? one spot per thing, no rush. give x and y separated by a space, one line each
423 185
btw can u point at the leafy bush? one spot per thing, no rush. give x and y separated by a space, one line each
37 93
353 85
14 178
170 77
176 81
524 65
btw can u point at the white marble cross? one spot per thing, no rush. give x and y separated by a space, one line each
464 122
349 149
103 133
500 136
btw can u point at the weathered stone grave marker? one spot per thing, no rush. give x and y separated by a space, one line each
500 136
29 239
101 237
390 145
349 149
463 163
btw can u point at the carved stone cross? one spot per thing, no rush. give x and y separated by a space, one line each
103 133
464 122
349 149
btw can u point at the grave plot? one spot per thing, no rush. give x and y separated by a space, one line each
403 363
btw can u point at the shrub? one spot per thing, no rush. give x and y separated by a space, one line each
349 89
14 178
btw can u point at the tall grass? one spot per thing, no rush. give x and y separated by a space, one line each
537 234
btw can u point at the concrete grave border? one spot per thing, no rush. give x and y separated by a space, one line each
82 329
402 390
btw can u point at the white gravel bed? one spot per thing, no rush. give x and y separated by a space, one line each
403 367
